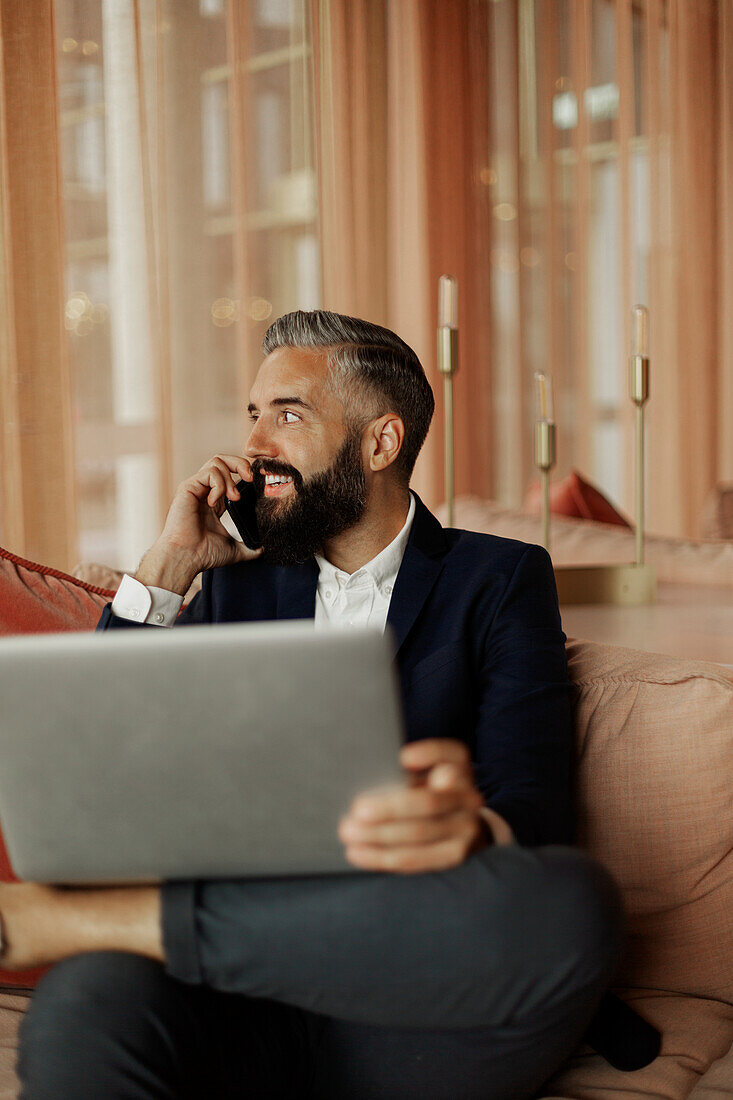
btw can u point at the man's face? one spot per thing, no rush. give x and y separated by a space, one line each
307 465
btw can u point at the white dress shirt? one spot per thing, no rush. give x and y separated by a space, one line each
343 599
361 598
134 600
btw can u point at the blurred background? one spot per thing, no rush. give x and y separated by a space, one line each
177 173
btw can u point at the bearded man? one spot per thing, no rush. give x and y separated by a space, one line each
468 959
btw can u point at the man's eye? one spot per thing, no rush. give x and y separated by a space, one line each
287 414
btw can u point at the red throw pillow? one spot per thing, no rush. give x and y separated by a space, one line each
576 497
717 515
35 599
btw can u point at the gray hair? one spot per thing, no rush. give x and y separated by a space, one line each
381 372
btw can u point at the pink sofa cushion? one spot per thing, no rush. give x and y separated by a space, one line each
717 515
654 740
583 542
654 780
695 1035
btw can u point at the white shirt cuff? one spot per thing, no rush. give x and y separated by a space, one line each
135 601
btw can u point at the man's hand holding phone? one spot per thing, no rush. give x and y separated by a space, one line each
194 538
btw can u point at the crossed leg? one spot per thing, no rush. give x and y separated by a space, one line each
471 982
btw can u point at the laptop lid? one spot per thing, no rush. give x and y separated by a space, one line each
201 752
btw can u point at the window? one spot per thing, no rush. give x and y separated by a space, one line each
190 219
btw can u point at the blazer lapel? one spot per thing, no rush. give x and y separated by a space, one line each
296 591
420 569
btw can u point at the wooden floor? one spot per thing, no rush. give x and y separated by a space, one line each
687 621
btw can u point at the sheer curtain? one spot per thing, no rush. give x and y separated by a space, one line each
621 139
208 196
159 208
567 159
402 99
37 503
176 174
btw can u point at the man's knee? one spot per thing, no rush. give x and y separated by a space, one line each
579 916
95 979
559 889
93 997
543 923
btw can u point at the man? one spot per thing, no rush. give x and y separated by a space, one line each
456 967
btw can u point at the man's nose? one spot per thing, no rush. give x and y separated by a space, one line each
260 443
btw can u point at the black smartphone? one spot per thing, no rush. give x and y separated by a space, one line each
243 514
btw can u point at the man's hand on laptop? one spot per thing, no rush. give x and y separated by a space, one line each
436 821
194 538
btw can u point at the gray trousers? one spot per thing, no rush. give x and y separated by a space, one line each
470 983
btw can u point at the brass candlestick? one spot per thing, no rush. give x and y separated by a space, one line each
448 365
635 583
545 447
639 394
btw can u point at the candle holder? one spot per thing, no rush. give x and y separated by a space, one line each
625 585
448 365
545 448
634 583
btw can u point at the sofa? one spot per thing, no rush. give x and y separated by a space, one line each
654 803
575 541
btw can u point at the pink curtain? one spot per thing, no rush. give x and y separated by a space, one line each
401 95
175 176
566 160
159 207
37 490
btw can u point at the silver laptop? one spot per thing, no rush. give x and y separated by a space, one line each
204 752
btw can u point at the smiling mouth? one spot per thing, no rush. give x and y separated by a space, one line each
278 485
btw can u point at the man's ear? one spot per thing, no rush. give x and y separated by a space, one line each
382 441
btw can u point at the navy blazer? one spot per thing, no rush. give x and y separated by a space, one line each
480 653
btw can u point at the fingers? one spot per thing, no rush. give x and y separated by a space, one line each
411 832
415 844
192 532
414 859
239 549
440 763
215 479
449 777
414 802
419 755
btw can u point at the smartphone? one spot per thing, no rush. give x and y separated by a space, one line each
243 514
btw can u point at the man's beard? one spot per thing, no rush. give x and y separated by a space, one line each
328 503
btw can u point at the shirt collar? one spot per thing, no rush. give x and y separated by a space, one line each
382 569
